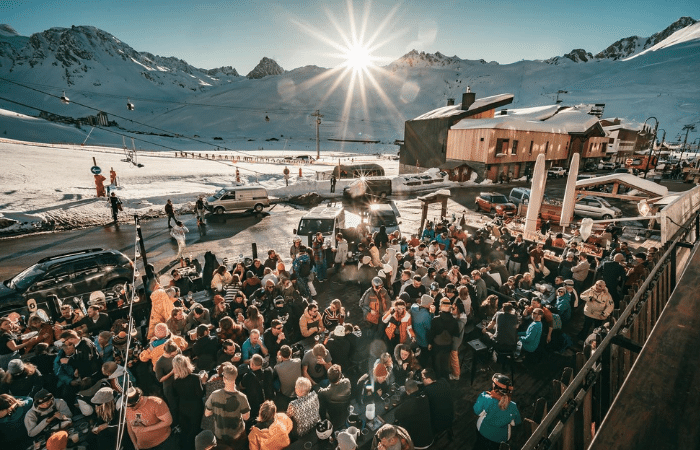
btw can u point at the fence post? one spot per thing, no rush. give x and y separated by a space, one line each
255 250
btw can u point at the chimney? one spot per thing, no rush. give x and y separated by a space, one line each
467 99
450 102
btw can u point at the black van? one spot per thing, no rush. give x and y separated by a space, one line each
358 170
368 187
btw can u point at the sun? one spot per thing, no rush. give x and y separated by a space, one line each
358 57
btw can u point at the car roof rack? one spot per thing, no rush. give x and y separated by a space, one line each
64 255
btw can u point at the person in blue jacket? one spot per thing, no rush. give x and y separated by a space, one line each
497 413
530 339
563 304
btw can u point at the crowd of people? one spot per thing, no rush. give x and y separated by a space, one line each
266 363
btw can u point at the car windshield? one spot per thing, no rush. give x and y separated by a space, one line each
499 199
311 226
26 278
604 202
216 196
388 219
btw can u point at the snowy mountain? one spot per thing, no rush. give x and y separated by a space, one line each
265 67
183 107
628 46
83 55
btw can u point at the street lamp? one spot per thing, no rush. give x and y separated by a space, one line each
653 140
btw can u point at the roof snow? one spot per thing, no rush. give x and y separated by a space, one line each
546 119
453 110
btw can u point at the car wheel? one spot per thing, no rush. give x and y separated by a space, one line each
219 210
607 217
258 208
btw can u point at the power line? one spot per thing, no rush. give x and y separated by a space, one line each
339 117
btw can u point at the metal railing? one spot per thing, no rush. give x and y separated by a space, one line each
585 398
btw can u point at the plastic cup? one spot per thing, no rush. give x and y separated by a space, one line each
308 445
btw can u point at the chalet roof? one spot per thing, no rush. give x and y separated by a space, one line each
547 119
629 180
480 105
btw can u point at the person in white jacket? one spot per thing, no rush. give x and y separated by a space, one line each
341 250
178 233
47 412
599 305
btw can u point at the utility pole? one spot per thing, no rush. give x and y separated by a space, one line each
318 116
688 129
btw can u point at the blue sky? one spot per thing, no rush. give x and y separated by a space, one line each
296 33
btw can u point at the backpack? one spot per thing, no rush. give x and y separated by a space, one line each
305 269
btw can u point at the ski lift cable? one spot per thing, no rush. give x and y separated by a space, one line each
131 120
329 115
97 126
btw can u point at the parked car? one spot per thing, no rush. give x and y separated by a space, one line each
522 195
590 166
606 165
369 187
67 275
556 172
383 214
623 170
596 208
238 198
494 202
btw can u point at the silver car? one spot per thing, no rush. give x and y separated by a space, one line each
596 207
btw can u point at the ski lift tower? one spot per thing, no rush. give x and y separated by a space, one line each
318 116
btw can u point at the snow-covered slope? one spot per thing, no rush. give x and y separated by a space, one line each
218 108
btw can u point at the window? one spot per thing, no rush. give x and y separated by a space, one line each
502 146
546 147
229 196
532 143
514 149
481 140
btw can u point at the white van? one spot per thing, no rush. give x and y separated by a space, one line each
329 220
238 198
383 214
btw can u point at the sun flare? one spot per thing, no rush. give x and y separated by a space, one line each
358 58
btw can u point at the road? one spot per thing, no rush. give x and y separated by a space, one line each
229 236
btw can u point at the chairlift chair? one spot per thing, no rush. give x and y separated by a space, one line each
65 100
129 105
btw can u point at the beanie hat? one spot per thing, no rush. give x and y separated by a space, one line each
15 367
346 441
204 440
57 441
426 300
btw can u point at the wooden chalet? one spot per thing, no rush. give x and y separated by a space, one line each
425 137
509 143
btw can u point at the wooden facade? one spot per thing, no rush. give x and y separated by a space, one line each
493 151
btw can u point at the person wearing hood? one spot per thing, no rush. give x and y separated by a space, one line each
390 258
47 412
155 347
161 307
